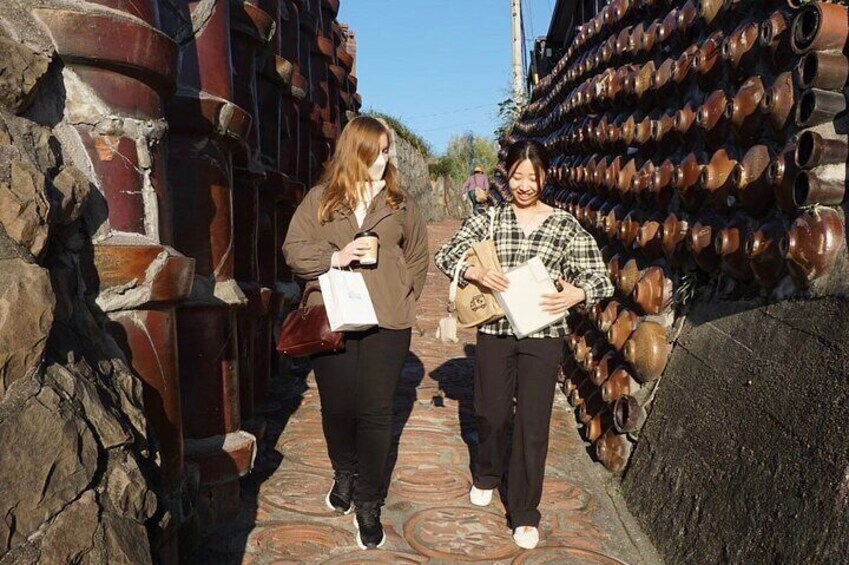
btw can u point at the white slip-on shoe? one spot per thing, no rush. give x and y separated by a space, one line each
480 497
526 537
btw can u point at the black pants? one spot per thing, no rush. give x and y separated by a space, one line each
527 370
356 387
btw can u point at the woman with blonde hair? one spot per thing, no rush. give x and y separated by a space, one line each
359 193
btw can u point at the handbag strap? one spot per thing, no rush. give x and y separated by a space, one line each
455 283
309 290
491 212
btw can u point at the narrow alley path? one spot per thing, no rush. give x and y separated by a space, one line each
427 516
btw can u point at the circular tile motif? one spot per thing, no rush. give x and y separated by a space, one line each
460 534
300 541
426 483
559 495
557 555
308 449
297 491
377 556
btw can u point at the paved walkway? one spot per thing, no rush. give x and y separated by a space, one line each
427 516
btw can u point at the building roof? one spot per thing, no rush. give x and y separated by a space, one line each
561 21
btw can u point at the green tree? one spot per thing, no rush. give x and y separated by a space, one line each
464 153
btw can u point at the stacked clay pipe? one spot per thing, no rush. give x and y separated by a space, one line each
696 140
204 123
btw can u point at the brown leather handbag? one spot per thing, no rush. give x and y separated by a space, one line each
306 331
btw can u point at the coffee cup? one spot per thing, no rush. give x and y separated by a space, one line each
370 238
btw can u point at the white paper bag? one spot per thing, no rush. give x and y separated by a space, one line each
347 301
521 301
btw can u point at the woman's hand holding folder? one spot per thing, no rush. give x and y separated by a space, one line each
561 302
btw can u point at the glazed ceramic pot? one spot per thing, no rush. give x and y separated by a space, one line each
662 79
814 150
810 188
620 383
599 424
613 220
613 451
641 182
828 71
730 245
650 237
744 109
605 367
750 180
779 101
684 65
685 118
653 292
814 240
614 269
819 26
647 351
629 229
592 405
622 329
765 254
701 245
775 37
628 415
740 49
660 190
584 344
817 106
711 115
708 61
685 178
673 240
686 16
608 315
626 174
716 181
781 176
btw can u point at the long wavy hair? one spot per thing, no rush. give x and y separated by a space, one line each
356 149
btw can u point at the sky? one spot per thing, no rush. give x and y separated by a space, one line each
440 66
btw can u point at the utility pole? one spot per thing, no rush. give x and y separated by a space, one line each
518 67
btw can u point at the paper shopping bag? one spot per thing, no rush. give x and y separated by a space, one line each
347 301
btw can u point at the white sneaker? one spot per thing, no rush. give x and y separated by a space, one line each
480 497
526 537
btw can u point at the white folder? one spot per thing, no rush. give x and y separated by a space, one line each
521 300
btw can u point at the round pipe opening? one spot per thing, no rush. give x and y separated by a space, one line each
801 189
805 27
808 70
805 149
806 107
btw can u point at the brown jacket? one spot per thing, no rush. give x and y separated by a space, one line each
396 283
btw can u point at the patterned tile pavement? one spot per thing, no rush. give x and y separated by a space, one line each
427 516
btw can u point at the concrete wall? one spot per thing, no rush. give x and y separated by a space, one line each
744 458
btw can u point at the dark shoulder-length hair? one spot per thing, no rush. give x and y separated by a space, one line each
531 150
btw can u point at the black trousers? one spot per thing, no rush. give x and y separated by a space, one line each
356 387
526 370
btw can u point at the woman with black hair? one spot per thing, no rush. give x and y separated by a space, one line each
508 368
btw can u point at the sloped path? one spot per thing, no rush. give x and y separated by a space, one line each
427 516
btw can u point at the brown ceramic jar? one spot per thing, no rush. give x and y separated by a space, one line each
608 315
629 229
781 176
673 240
613 220
686 16
750 180
684 65
614 269
584 344
622 329
653 292
641 182
599 424
628 415
620 383
650 237
701 244
765 255
711 116
743 111
716 181
592 405
810 188
814 240
647 351
778 103
661 186
605 367
740 48
731 246
708 61
686 176
685 119
626 174
814 150
819 26
613 451
775 37
817 106
828 71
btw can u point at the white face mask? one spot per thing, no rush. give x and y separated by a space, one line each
376 171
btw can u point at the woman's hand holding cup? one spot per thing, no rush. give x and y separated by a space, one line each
354 251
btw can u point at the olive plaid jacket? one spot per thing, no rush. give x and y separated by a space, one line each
563 245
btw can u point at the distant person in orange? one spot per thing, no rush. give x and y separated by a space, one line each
477 187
